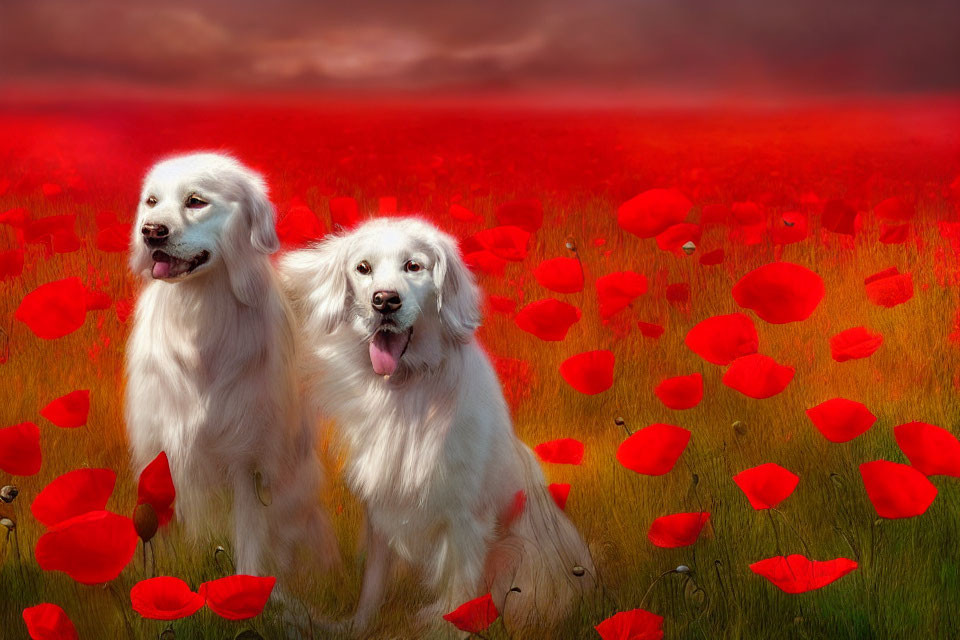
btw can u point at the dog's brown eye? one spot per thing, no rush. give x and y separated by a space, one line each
412 266
151 201
193 202
364 268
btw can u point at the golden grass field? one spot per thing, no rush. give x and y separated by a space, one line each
907 584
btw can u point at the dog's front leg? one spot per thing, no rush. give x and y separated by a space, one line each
379 562
250 525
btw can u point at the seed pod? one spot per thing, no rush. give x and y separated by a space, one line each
688 247
145 521
8 523
682 569
738 428
9 493
579 571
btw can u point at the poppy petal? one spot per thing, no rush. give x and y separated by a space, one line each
91 548
20 449
780 292
757 376
560 492
798 574
636 624
562 451
767 485
73 494
841 420
54 309
237 597
677 530
854 344
563 275
48 622
589 373
548 319
164 598
615 291
651 212
723 339
69 411
474 616
155 487
897 490
653 450
932 450
682 392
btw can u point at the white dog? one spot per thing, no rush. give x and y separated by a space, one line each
389 312
211 362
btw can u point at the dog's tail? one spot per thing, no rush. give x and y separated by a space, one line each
540 568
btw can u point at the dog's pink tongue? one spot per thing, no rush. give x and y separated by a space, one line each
161 269
385 351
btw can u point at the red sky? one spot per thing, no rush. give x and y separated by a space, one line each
805 47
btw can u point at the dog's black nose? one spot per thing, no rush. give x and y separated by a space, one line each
387 301
155 235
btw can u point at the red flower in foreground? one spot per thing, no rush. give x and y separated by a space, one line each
20 449
164 598
73 494
839 217
798 574
841 420
674 237
723 339
932 450
48 622
767 485
677 530
155 488
653 450
526 214
508 242
562 451
589 373
54 309
615 291
69 411
563 275
854 344
474 616
894 209
682 392
889 287
758 376
637 624
560 492
791 227
780 292
897 490
237 597
91 548
548 319
652 212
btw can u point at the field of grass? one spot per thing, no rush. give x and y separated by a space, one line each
582 166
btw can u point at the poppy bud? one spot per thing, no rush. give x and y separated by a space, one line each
9 493
8 523
618 421
682 569
570 244
578 571
688 247
738 428
145 521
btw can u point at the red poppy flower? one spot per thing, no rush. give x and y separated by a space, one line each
590 372
798 574
16 217
723 339
780 292
69 411
11 264
461 213
20 449
54 309
932 450
474 616
48 622
560 492
757 376
237 597
766 486
897 490
502 304
682 392
155 488
653 450
114 238
894 209
345 212
652 211
637 624
98 300
548 319
164 598
485 262
649 330
854 344
508 242
894 234
841 420
789 228
889 287
839 217
56 233
73 494
526 214
747 213
91 548
674 237
562 451
712 258
677 530
615 291
563 275
299 226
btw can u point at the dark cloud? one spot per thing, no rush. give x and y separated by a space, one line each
692 45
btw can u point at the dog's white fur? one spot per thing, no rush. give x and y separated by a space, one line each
211 365
431 451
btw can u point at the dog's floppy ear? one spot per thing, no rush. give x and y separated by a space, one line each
249 235
315 280
458 297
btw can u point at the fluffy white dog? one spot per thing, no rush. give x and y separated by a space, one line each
211 362
389 312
